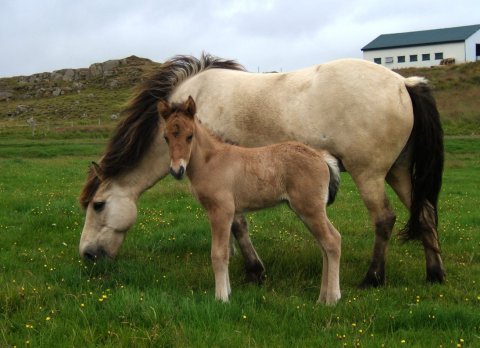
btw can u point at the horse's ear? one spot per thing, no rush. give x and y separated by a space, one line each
97 170
164 109
190 107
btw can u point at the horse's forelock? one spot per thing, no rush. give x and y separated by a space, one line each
89 189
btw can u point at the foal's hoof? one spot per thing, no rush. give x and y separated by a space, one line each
372 280
435 275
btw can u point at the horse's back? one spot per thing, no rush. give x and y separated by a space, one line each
355 109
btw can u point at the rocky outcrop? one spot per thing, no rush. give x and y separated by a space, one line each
113 74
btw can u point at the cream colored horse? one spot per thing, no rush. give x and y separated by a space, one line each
228 180
381 126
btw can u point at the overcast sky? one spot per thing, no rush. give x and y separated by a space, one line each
47 35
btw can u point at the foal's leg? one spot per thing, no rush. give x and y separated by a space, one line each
220 223
373 194
254 268
399 179
324 286
330 242
325 268
313 214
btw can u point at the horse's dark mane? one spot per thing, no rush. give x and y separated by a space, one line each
137 130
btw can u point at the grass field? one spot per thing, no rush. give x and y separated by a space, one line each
160 290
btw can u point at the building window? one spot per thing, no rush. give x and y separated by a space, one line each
377 60
439 56
413 58
389 60
401 59
426 56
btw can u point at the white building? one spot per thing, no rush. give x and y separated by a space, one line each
425 48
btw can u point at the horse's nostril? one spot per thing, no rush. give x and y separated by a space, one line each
181 171
89 256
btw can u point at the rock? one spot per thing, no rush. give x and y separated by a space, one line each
69 75
96 70
113 83
20 109
114 117
5 95
57 91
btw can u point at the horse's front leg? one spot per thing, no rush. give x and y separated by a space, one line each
220 224
254 269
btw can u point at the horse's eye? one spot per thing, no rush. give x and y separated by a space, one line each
98 206
166 139
189 138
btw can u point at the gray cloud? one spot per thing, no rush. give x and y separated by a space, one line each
38 36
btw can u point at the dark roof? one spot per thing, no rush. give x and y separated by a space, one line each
424 37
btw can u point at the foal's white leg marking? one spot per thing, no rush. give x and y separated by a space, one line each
333 251
220 226
323 288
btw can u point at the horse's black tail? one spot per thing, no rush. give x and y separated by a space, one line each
334 183
427 157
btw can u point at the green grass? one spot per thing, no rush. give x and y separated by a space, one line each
160 290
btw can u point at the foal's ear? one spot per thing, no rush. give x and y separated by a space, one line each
164 109
190 107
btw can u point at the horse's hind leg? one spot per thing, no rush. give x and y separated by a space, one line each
254 268
373 194
399 179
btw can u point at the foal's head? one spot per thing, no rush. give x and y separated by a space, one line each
178 130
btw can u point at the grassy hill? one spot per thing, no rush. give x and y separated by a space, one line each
88 101
457 91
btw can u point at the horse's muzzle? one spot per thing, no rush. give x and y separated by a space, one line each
91 254
178 175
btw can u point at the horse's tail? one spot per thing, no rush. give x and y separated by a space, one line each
334 183
427 157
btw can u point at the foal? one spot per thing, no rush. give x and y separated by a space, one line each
229 180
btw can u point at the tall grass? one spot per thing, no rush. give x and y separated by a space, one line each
160 291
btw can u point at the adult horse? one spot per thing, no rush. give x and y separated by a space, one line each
378 124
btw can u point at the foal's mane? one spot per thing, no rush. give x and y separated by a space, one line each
137 130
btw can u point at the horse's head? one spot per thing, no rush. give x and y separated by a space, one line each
111 211
178 129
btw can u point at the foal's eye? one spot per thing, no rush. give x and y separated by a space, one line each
166 139
98 206
189 138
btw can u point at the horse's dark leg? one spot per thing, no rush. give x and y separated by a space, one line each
399 180
254 268
435 270
373 195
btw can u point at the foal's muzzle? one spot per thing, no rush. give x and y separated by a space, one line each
178 175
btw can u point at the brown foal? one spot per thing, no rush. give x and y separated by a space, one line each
229 180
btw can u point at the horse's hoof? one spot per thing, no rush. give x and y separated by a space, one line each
255 273
435 275
372 281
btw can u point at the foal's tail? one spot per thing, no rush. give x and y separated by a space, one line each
427 156
334 183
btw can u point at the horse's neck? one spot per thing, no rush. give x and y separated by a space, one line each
153 167
206 146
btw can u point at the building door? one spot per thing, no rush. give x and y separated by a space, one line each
478 52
